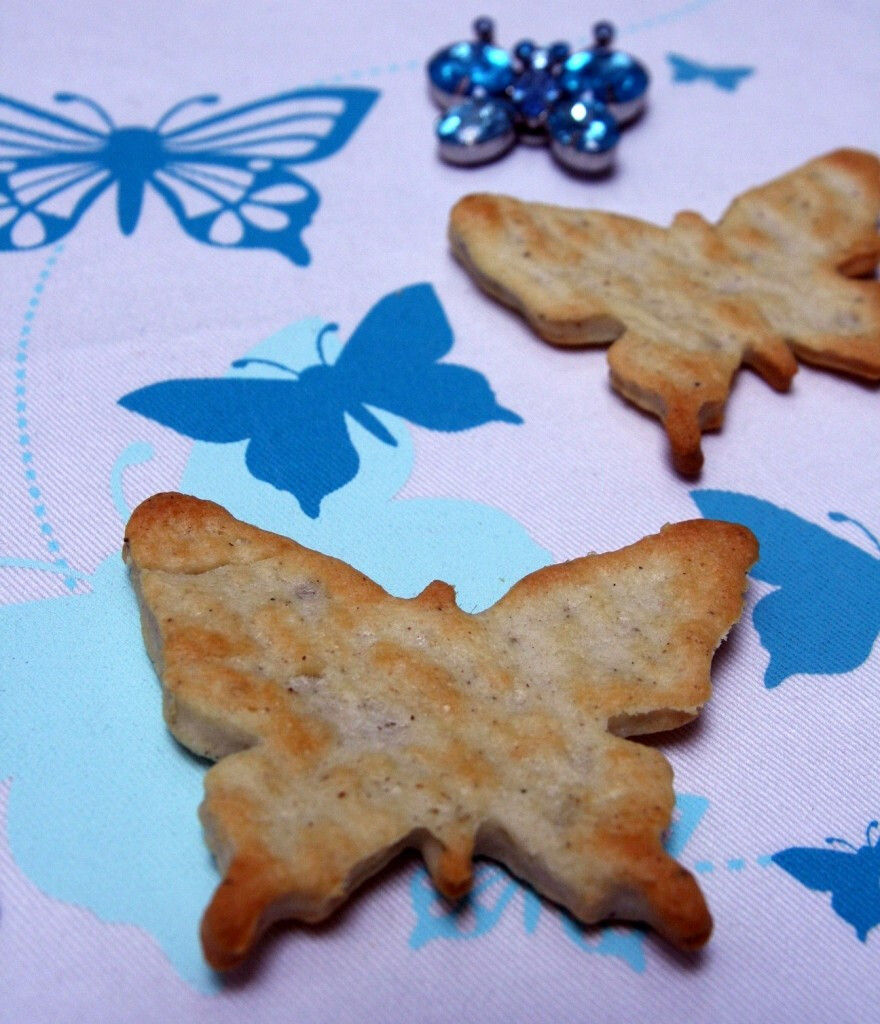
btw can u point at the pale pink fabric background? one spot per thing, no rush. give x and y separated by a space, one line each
159 304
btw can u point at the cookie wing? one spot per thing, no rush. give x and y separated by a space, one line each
348 724
621 645
665 298
806 236
631 633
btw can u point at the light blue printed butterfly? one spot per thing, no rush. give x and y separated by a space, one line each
825 616
106 821
296 427
494 892
686 70
850 874
229 178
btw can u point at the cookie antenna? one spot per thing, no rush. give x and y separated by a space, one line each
832 841
207 100
319 341
839 517
74 97
239 363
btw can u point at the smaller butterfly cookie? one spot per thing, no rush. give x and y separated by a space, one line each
684 307
349 725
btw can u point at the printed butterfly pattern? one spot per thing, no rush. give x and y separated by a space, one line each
296 427
851 874
229 179
825 615
686 70
494 892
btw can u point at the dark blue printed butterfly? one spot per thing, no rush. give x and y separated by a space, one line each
228 178
825 617
851 875
686 70
299 441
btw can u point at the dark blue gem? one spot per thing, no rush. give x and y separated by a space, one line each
534 93
524 50
484 30
603 33
465 68
558 52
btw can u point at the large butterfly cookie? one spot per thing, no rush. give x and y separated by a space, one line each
686 306
349 724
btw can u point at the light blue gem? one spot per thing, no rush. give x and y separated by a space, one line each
475 131
583 134
613 77
466 68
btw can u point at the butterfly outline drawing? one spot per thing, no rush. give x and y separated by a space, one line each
823 618
686 70
851 874
298 438
228 178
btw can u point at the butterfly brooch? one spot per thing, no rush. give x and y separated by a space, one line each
825 616
686 70
229 178
296 429
851 874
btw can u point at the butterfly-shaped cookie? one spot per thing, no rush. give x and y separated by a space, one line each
229 178
824 618
686 70
686 306
851 874
296 427
349 724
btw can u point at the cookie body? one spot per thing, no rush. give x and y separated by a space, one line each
684 307
348 725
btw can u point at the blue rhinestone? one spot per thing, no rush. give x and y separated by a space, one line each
524 51
583 134
465 68
534 93
476 131
559 52
611 76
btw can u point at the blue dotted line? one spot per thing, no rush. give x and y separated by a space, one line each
38 506
735 864
376 71
395 67
666 18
